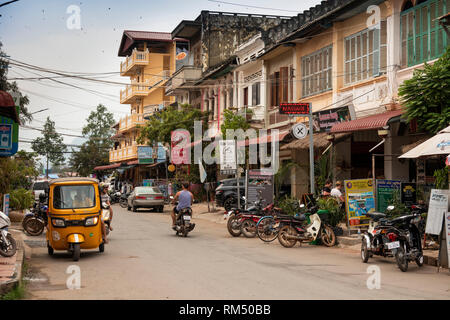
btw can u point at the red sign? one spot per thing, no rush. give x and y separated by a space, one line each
295 108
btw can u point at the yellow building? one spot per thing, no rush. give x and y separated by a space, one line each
149 62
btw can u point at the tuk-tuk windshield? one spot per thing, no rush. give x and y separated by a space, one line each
74 197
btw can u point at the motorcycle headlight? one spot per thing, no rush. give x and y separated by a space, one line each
92 221
58 222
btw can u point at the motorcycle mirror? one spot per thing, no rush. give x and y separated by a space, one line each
171 197
390 208
302 206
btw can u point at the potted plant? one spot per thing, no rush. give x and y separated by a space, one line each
20 199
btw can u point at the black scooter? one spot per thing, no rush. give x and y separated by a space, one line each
183 221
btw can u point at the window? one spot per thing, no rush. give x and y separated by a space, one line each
365 54
68 197
280 86
256 94
246 96
316 72
423 38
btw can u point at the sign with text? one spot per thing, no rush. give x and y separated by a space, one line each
180 151
408 193
145 154
9 137
437 210
385 192
325 120
295 108
161 153
227 149
260 181
360 201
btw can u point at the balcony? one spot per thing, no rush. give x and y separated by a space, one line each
151 109
130 122
133 91
185 75
131 63
124 154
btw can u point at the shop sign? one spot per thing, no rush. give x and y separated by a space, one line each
325 120
148 182
260 181
360 201
161 153
295 108
385 193
9 137
437 210
145 155
409 195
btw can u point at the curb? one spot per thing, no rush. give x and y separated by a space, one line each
9 285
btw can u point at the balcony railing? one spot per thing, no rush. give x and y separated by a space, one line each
131 121
127 153
184 75
137 58
136 89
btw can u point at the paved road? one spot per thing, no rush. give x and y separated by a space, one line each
145 260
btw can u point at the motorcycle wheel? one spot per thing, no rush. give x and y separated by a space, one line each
400 258
233 226
8 250
101 247
327 236
33 226
76 252
229 204
25 220
364 251
248 228
287 231
419 260
266 229
123 203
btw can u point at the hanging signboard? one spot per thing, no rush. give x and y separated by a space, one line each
360 200
295 108
325 120
437 209
145 155
161 153
227 150
260 181
385 192
408 193
180 151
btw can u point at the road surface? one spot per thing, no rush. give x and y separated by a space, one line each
145 260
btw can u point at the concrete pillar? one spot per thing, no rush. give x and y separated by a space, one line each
300 175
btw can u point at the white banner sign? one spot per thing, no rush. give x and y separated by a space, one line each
436 211
227 155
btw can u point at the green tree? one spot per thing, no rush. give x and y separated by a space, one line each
232 121
17 172
426 95
95 151
159 126
50 145
11 87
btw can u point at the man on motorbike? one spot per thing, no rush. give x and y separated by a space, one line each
104 197
185 198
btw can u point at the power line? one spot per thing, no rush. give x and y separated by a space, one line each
251 6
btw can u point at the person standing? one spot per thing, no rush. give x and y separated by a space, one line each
337 192
326 191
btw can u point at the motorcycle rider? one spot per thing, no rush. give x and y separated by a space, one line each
185 201
104 197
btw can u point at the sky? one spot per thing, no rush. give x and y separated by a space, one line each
36 32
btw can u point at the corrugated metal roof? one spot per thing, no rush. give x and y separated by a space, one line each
368 123
149 35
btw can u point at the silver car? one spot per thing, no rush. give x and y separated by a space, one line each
146 197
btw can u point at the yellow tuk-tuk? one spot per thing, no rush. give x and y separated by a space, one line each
74 210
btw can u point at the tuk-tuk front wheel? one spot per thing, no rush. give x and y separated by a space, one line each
49 249
76 252
101 247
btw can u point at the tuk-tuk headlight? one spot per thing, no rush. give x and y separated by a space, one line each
58 222
92 221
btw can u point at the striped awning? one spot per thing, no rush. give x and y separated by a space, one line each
373 122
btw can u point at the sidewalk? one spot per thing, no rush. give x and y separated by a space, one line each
11 268
353 241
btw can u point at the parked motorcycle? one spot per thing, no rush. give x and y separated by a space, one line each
115 197
106 217
183 221
35 220
296 228
123 201
8 246
382 238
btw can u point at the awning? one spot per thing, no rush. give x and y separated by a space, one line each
7 106
373 122
320 141
134 162
155 164
439 144
107 167
266 139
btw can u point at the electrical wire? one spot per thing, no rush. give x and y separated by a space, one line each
251 6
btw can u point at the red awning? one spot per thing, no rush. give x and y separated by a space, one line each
7 107
266 139
107 167
373 122
133 162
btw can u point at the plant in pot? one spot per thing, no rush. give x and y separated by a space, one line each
20 199
336 214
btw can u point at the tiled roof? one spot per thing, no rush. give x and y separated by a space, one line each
368 123
149 35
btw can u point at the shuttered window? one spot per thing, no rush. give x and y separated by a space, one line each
316 72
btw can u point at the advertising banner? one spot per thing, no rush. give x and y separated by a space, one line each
325 120
385 192
9 137
145 155
409 194
437 209
260 180
360 200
